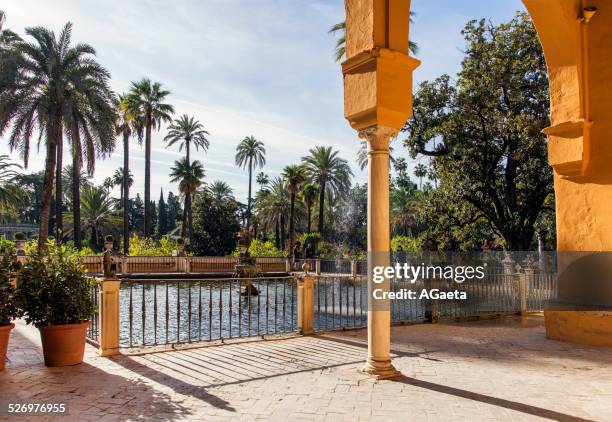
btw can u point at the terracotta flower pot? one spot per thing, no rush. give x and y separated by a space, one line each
63 345
5 332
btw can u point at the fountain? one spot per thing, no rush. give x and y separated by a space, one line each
246 266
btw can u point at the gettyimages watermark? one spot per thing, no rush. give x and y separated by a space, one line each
455 283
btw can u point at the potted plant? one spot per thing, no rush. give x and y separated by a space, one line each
55 294
8 307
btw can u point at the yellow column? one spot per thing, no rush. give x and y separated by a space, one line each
377 103
109 317
378 362
306 305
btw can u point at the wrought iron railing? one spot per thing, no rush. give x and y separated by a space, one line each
93 331
161 312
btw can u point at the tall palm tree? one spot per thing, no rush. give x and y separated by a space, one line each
420 171
123 127
89 122
49 70
189 176
11 194
262 179
309 195
8 64
145 103
330 172
294 175
97 213
340 28
251 154
187 131
220 191
67 175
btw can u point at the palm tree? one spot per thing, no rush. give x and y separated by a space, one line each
273 209
8 66
89 122
420 171
187 130
67 175
145 103
294 175
11 194
251 154
340 27
362 155
123 127
49 70
220 191
97 213
118 178
189 176
262 180
309 194
330 172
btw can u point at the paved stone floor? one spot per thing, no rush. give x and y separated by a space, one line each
496 370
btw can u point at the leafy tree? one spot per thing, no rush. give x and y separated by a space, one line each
262 180
162 216
186 130
273 207
48 69
136 214
309 195
145 103
490 154
294 176
214 223
189 176
250 154
174 210
330 172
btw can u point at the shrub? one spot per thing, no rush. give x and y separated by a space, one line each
31 248
20 236
53 289
7 246
260 248
312 238
145 246
409 244
109 238
8 306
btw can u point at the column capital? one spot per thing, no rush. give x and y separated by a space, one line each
378 137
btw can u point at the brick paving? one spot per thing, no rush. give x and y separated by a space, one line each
488 370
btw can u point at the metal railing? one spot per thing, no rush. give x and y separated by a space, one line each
93 331
340 303
160 312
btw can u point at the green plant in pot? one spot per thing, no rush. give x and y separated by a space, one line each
55 294
8 306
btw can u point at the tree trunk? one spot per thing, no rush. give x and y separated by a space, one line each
282 231
249 198
185 217
126 192
59 217
94 237
291 222
321 206
309 206
147 193
76 186
187 155
45 207
277 233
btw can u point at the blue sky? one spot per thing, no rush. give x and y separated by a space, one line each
242 67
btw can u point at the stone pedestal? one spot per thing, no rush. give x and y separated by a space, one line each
109 317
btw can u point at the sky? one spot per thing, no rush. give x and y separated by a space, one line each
242 67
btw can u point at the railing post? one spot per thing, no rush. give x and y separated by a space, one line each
123 265
305 305
353 269
109 317
287 265
187 265
526 280
318 266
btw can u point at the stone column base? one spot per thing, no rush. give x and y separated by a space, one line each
593 328
380 370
